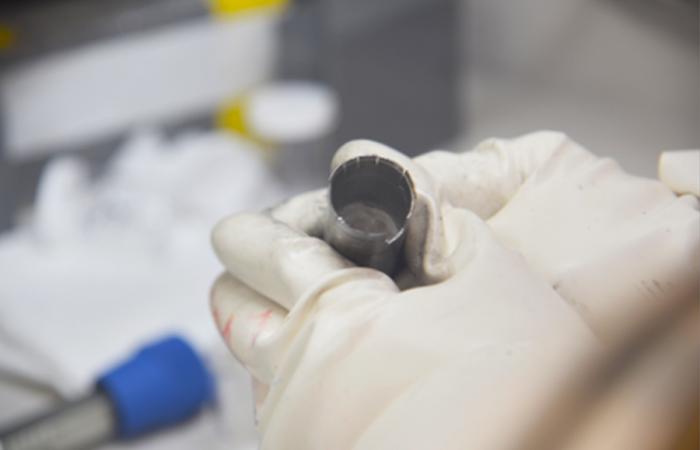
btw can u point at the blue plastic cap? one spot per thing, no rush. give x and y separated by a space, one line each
162 384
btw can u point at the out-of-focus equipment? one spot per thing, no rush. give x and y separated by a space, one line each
76 273
162 384
84 82
395 66
79 76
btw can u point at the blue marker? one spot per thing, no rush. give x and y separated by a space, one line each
162 384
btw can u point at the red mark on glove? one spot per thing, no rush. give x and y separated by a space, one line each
263 318
226 332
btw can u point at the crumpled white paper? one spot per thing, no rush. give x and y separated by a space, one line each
107 264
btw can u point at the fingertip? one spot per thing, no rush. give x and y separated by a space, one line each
552 136
219 232
680 171
305 212
271 257
231 231
223 228
366 147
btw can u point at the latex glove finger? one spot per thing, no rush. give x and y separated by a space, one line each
260 333
483 180
612 244
306 212
281 263
617 247
680 170
248 323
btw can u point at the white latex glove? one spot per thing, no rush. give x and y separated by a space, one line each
680 170
343 359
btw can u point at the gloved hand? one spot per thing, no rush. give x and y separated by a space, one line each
533 253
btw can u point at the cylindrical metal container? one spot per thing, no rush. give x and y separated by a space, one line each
371 202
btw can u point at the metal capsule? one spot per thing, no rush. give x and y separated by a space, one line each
371 202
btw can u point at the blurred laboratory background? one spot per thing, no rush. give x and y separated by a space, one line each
127 128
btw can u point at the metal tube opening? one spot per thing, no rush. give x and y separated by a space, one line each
371 202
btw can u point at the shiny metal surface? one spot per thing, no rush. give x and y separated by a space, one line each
371 202
82 424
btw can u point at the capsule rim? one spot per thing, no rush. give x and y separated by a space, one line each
406 177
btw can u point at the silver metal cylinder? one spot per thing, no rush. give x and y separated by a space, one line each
82 424
371 202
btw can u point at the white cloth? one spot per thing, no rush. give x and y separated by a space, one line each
537 254
105 266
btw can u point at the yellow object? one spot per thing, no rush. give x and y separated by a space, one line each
225 8
7 37
231 117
